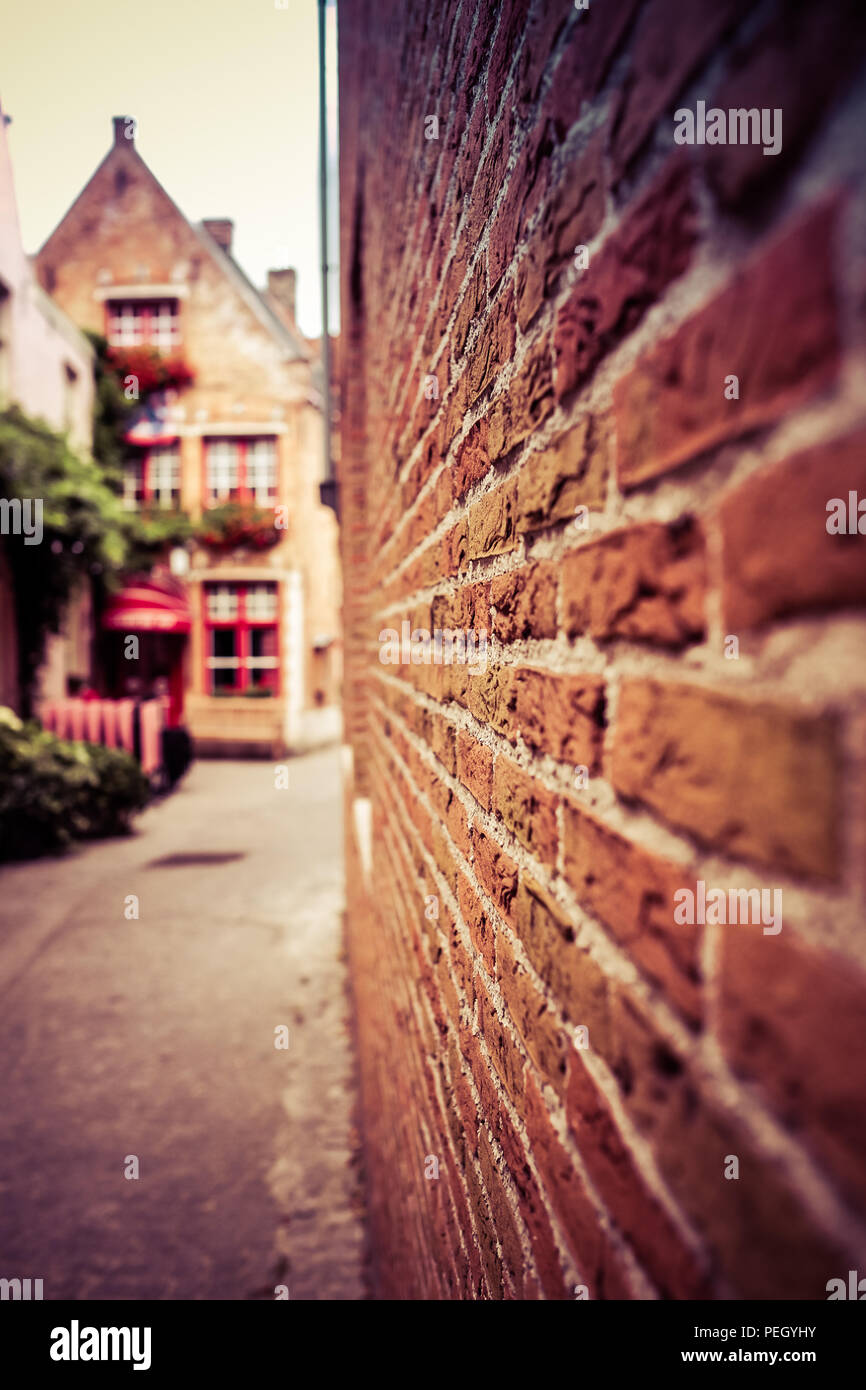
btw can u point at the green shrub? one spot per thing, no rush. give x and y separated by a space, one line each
53 791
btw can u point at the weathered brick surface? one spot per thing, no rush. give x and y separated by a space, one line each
813 569
673 1265
647 583
570 473
651 248
670 44
538 1028
694 754
756 1228
572 218
670 698
797 64
788 1016
782 348
575 980
632 892
475 767
525 603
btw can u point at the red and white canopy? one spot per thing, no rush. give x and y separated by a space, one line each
148 605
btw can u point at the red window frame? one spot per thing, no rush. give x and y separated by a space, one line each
243 493
243 625
148 309
144 458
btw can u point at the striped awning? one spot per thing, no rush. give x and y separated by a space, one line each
148 605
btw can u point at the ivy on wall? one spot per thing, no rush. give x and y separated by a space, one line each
87 535
83 531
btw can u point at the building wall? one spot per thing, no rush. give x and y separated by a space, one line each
39 341
124 232
516 837
46 368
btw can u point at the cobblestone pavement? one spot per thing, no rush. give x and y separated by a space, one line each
156 1038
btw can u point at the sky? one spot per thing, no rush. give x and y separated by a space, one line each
225 96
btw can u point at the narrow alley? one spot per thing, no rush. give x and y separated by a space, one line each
155 1038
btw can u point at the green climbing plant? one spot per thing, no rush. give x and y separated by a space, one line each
83 532
87 534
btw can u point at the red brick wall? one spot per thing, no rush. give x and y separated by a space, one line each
619 747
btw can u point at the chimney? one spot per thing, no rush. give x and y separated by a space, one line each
221 229
124 130
281 284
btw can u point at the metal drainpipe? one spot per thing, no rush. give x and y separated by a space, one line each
327 488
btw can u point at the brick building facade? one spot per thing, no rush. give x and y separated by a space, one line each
598 391
255 657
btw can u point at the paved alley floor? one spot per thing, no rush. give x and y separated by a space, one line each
154 1039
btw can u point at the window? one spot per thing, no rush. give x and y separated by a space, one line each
144 322
241 470
241 638
261 470
153 478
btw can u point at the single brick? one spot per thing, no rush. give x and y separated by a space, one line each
646 583
579 985
782 348
442 741
496 870
570 472
527 809
471 607
560 715
472 459
491 522
488 697
475 767
812 569
754 781
632 892
525 602
651 247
